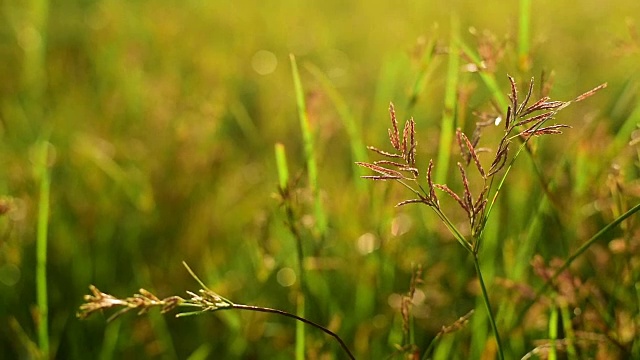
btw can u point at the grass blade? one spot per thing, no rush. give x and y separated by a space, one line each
358 149
426 69
447 127
524 36
44 178
281 164
309 151
487 78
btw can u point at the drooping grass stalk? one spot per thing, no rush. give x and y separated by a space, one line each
524 36
487 303
161 328
447 125
44 179
204 301
283 179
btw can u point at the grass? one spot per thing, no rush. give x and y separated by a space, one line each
42 163
164 133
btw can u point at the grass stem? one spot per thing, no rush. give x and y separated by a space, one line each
485 296
41 246
296 317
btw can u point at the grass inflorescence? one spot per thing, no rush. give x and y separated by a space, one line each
523 121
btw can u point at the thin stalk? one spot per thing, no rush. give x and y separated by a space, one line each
572 354
312 172
296 317
487 303
283 179
576 254
454 231
41 246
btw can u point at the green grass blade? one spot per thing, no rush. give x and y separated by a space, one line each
524 35
426 69
487 78
281 164
245 123
110 341
358 149
447 127
300 328
44 179
623 136
310 156
201 353
569 334
553 332
309 151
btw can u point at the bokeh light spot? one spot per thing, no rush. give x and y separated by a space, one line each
367 243
264 62
9 274
286 277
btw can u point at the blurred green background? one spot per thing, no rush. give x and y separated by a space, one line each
162 118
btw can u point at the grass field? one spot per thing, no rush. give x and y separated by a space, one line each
137 135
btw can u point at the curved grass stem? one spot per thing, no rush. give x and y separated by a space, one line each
485 297
293 316
576 254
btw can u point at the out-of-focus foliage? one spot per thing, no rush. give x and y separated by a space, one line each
162 118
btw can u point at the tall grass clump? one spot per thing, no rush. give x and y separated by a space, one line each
525 119
481 182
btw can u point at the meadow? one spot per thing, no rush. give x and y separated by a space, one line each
232 136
